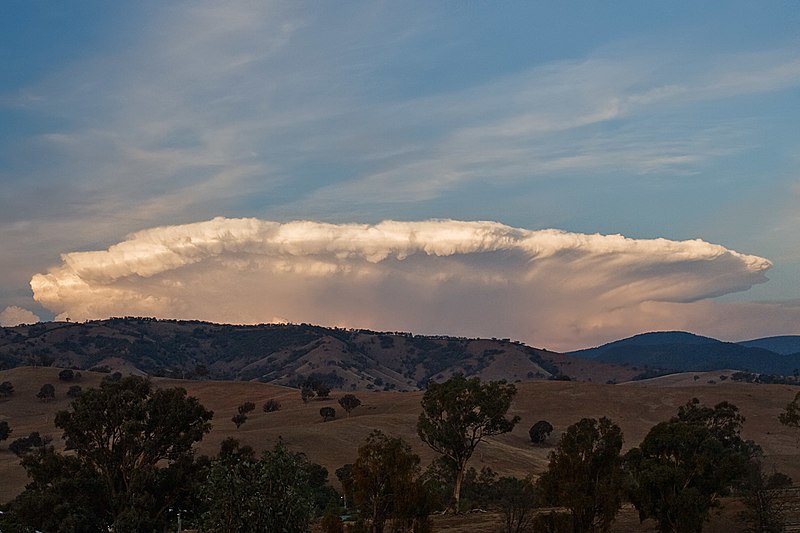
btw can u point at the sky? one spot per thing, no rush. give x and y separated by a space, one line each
564 174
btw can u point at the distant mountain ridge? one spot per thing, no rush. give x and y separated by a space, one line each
283 354
686 352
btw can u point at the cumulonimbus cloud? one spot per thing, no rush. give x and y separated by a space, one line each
548 287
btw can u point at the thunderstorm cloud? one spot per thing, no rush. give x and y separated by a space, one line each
547 287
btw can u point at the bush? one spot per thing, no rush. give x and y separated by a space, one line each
25 444
247 407
271 406
6 389
540 431
327 413
46 393
67 375
74 391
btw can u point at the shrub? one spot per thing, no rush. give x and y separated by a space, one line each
271 406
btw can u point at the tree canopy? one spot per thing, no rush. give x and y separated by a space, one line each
683 465
458 414
585 474
131 449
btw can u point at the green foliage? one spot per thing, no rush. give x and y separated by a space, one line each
134 442
327 413
246 407
386 484
271 405
247 495
46 393
458 414
791 414
685 464
585 474
239 419
5 430
349 402
23 445
540 431
515 498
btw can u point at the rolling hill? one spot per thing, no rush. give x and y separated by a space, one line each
635 407
686 352
285 354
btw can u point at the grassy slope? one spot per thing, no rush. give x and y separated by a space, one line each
635 408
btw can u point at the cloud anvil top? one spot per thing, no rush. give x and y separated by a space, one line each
432 275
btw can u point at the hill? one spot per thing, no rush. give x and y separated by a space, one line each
784 344
635 407
284 354
686 352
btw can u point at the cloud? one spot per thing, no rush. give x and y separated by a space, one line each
14 316
547 287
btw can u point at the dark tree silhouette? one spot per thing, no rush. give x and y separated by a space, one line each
327 413
239 419
271 406
540 431
46 393
247 407
349 402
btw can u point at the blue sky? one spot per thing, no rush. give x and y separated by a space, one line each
674 120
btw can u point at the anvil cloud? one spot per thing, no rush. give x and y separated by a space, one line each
547 287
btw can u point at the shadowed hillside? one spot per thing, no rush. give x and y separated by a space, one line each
284 354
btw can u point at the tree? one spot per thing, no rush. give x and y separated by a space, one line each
246 407
791 414
385 483
327 413
134 443
349 402
67 375
458 414
585 474
6 389
306 393
540 431
239 419
46 393
5 430
515 498
271 406
765 508
23 445
252 495
683 465
74 391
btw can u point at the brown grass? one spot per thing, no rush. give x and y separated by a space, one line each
635 407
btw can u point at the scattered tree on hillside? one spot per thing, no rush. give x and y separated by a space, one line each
239 419
246 407
74 391
540 431
307 393
791 413
68 375
271 406
249 495
458 414
46 393
24 445
6 389
5 430
349 402
683 465
327 413
585 474
386 485
131 452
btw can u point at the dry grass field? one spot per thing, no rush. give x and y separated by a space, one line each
635 407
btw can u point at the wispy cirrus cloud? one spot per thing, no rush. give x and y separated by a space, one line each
547 287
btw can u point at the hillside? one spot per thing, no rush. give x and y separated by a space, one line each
783 344
686 352
635 407
284 354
